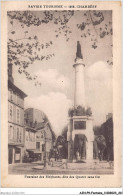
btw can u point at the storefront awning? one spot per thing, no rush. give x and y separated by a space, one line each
34 151
16 144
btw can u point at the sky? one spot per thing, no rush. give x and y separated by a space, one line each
55 96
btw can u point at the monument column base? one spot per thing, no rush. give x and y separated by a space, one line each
89 151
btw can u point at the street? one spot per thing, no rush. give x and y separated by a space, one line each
38 169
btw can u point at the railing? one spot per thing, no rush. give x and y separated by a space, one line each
16 141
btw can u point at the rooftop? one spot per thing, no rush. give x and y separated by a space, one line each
16 89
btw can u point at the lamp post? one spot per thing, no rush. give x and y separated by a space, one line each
45 158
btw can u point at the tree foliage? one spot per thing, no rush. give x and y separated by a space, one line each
24 51
107 131
62 146
60 140
89 26
64 132
104 138
79 111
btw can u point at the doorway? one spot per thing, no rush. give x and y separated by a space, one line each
10 154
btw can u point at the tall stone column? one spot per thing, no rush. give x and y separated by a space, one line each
79 93
82 125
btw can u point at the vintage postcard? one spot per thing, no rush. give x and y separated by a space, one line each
61 94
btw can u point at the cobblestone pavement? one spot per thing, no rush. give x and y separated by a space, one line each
38 169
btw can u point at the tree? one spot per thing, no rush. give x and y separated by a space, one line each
96 130
62 147
24 50
107 131
101 143
64 132
104 139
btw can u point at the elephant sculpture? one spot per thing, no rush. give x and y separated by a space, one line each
80 146
100 146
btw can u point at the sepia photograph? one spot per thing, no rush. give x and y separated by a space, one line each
60 116
61 95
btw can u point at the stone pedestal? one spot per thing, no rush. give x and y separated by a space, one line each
86 130
89 151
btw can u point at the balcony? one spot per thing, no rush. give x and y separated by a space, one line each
15 141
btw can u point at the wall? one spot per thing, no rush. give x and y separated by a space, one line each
38 116
33 115
15 98
15 134
12 110
30 139
45 136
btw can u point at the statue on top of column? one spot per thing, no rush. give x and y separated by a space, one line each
78 53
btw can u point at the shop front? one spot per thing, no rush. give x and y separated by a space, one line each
34 155
15 154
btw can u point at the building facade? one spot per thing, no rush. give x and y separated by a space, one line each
30 138
16 130
45 138
30 154
36 120
33 116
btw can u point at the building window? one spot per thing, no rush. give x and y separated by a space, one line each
42 134
30 136
18 99
38 135
21 134
27 138
11 112
33 137
37 145
17 134
11 95
18 116
14 97
14 134
43 147
11 132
